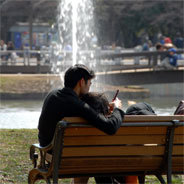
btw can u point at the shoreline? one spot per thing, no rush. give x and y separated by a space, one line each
41 96
36 87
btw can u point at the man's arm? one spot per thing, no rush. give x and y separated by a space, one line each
108 124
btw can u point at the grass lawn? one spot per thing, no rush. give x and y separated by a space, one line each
14 154
14 157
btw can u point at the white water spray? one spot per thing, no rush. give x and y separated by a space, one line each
76 29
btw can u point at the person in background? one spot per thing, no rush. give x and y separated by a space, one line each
147 46
172 57
3 47
167 40
160 47
161 39
168 61
10 47
179 41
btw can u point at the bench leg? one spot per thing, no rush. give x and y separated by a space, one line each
141 179
33 176
170 149
48 181
160 178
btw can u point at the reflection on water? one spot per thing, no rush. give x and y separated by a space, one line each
25 114
23 119
20 105
19 113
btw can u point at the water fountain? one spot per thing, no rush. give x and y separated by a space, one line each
77 37
76 31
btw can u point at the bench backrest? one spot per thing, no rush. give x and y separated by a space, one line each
142 144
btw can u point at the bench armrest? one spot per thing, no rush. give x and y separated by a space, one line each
42 150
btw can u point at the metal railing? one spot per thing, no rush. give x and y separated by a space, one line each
100 57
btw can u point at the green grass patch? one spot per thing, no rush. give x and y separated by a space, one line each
14 154
14 158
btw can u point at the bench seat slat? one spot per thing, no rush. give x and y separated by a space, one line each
178 150
116 168
122 131
112 151
68 161
134 118
118 150
119 139
179 130
125 162
126 168
178 139
105 170
120 165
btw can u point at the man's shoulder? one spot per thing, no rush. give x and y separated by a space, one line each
56 91
52 93
62 93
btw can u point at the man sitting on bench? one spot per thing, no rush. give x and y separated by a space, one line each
66 102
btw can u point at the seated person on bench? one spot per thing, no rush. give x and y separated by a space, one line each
66 102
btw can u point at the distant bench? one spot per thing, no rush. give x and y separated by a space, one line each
144 145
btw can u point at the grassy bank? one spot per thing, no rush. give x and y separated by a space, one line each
14 157
30 86
19 84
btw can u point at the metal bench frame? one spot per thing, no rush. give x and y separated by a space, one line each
57 147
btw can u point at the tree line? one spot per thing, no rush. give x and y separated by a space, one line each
129 23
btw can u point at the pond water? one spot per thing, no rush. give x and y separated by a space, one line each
19 113
25 113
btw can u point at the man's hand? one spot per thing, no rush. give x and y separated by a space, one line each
115 104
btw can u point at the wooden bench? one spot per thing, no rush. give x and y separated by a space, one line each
144 145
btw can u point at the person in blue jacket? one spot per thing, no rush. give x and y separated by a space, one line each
170 61
172 57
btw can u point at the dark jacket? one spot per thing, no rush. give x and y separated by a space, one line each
65 103
141 108
180 109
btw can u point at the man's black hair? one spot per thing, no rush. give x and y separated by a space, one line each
76 73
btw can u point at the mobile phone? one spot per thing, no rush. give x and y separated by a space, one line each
116 94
